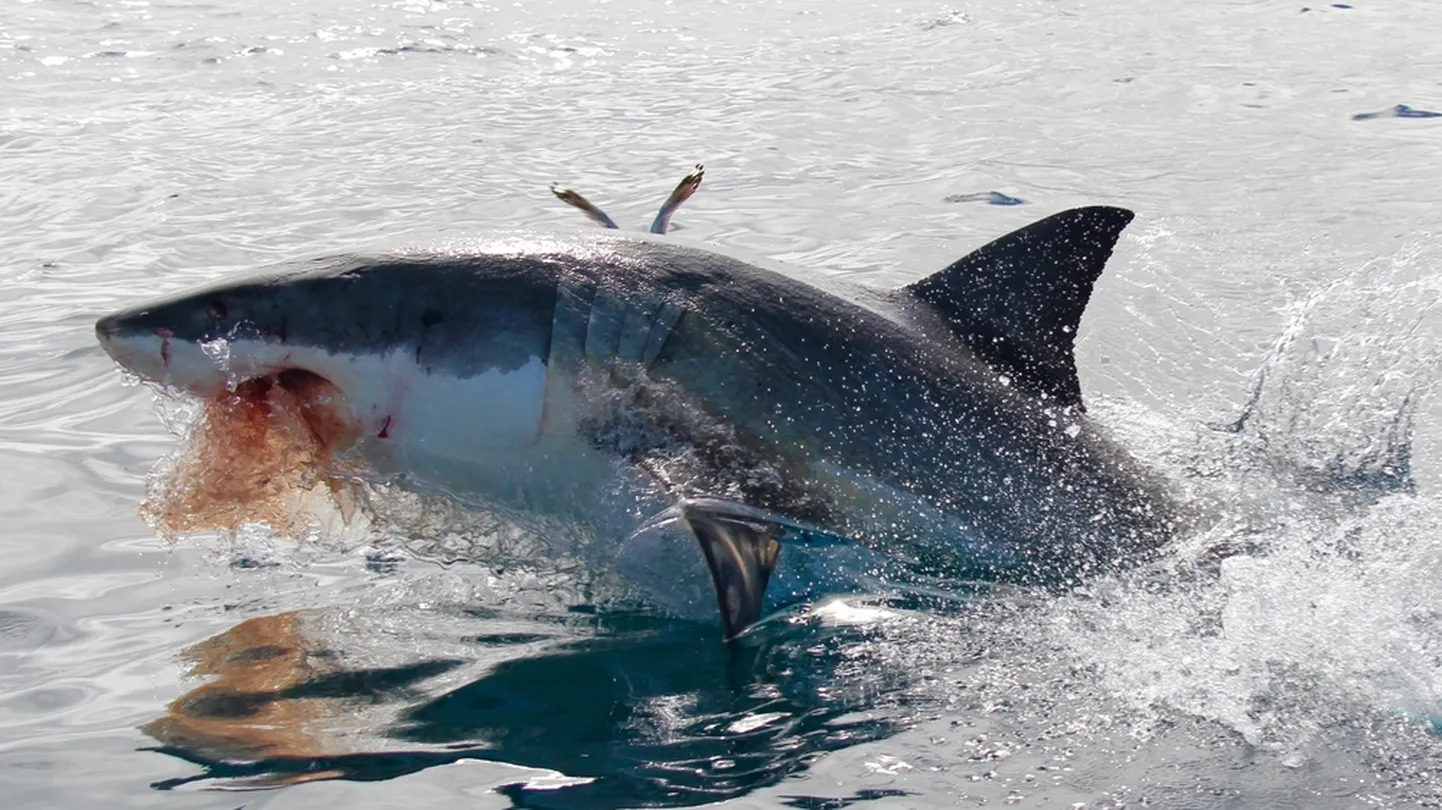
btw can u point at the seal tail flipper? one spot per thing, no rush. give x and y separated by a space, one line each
681 194
575 200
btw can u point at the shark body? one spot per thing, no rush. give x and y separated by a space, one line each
940 424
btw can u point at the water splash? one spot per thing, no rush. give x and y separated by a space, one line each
1334 403
1310 603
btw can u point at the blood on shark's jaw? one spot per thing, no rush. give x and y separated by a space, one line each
318 403
265 378
267 451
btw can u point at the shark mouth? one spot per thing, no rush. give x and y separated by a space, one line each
266 451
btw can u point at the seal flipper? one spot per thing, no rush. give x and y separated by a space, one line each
1016 302
575 200
679 195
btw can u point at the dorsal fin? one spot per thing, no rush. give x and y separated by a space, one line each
1016 302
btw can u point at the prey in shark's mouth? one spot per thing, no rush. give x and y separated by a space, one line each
265 452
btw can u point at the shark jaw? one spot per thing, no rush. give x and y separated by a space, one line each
279 417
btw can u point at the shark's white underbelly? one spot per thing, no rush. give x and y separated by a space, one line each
503 439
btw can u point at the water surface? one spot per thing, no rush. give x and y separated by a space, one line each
1288 215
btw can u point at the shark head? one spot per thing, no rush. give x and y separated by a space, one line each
371 348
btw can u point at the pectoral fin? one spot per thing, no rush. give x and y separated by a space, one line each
741 544
741 556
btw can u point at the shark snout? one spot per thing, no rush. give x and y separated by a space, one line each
141 343
129 322
141 349
109 328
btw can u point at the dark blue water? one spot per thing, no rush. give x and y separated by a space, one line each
646 712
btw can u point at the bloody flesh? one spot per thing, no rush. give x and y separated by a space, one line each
254 456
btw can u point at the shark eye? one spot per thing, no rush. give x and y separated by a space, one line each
216 310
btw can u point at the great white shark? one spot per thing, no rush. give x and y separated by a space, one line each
940 424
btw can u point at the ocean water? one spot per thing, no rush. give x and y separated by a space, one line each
1266 336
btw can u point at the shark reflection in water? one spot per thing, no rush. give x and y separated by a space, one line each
650 714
